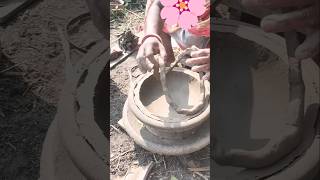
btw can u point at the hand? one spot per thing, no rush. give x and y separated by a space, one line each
145 57
304 19
200 61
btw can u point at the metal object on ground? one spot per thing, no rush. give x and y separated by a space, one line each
156 126
255 103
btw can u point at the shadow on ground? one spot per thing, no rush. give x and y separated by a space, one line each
24 121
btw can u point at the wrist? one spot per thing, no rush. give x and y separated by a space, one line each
149 35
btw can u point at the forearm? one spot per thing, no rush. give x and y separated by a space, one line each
154 23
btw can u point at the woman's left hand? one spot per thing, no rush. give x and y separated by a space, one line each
200 61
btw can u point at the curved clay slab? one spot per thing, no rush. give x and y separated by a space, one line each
184 90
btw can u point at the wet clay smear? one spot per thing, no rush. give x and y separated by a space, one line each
184 91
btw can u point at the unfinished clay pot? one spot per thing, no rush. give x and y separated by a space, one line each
155 125
263 99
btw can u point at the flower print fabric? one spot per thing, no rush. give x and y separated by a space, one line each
182 12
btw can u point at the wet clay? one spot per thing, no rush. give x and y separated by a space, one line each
184 90
167 94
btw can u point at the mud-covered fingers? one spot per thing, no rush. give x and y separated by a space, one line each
197 61
201 68
276 3
295 20
141 60
310 47
163 55
200 53
149 54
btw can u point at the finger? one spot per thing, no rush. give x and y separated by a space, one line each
161 62
276 3
310 47
201 68
141 60
200 53
206 76
308 17
197 61
163 53
151 63
150 57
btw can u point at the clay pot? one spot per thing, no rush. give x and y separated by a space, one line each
159 122
261 95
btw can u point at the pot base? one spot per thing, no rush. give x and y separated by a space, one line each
143 137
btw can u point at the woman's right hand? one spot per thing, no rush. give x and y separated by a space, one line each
145 57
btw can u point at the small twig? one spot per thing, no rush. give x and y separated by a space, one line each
118 163
9 68
12 146
164 162
27 90
174 64
200 169
116 129
134 13
201 175
121 154
155 159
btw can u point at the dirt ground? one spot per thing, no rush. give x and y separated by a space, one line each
31 76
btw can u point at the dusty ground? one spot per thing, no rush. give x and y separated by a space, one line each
31 75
